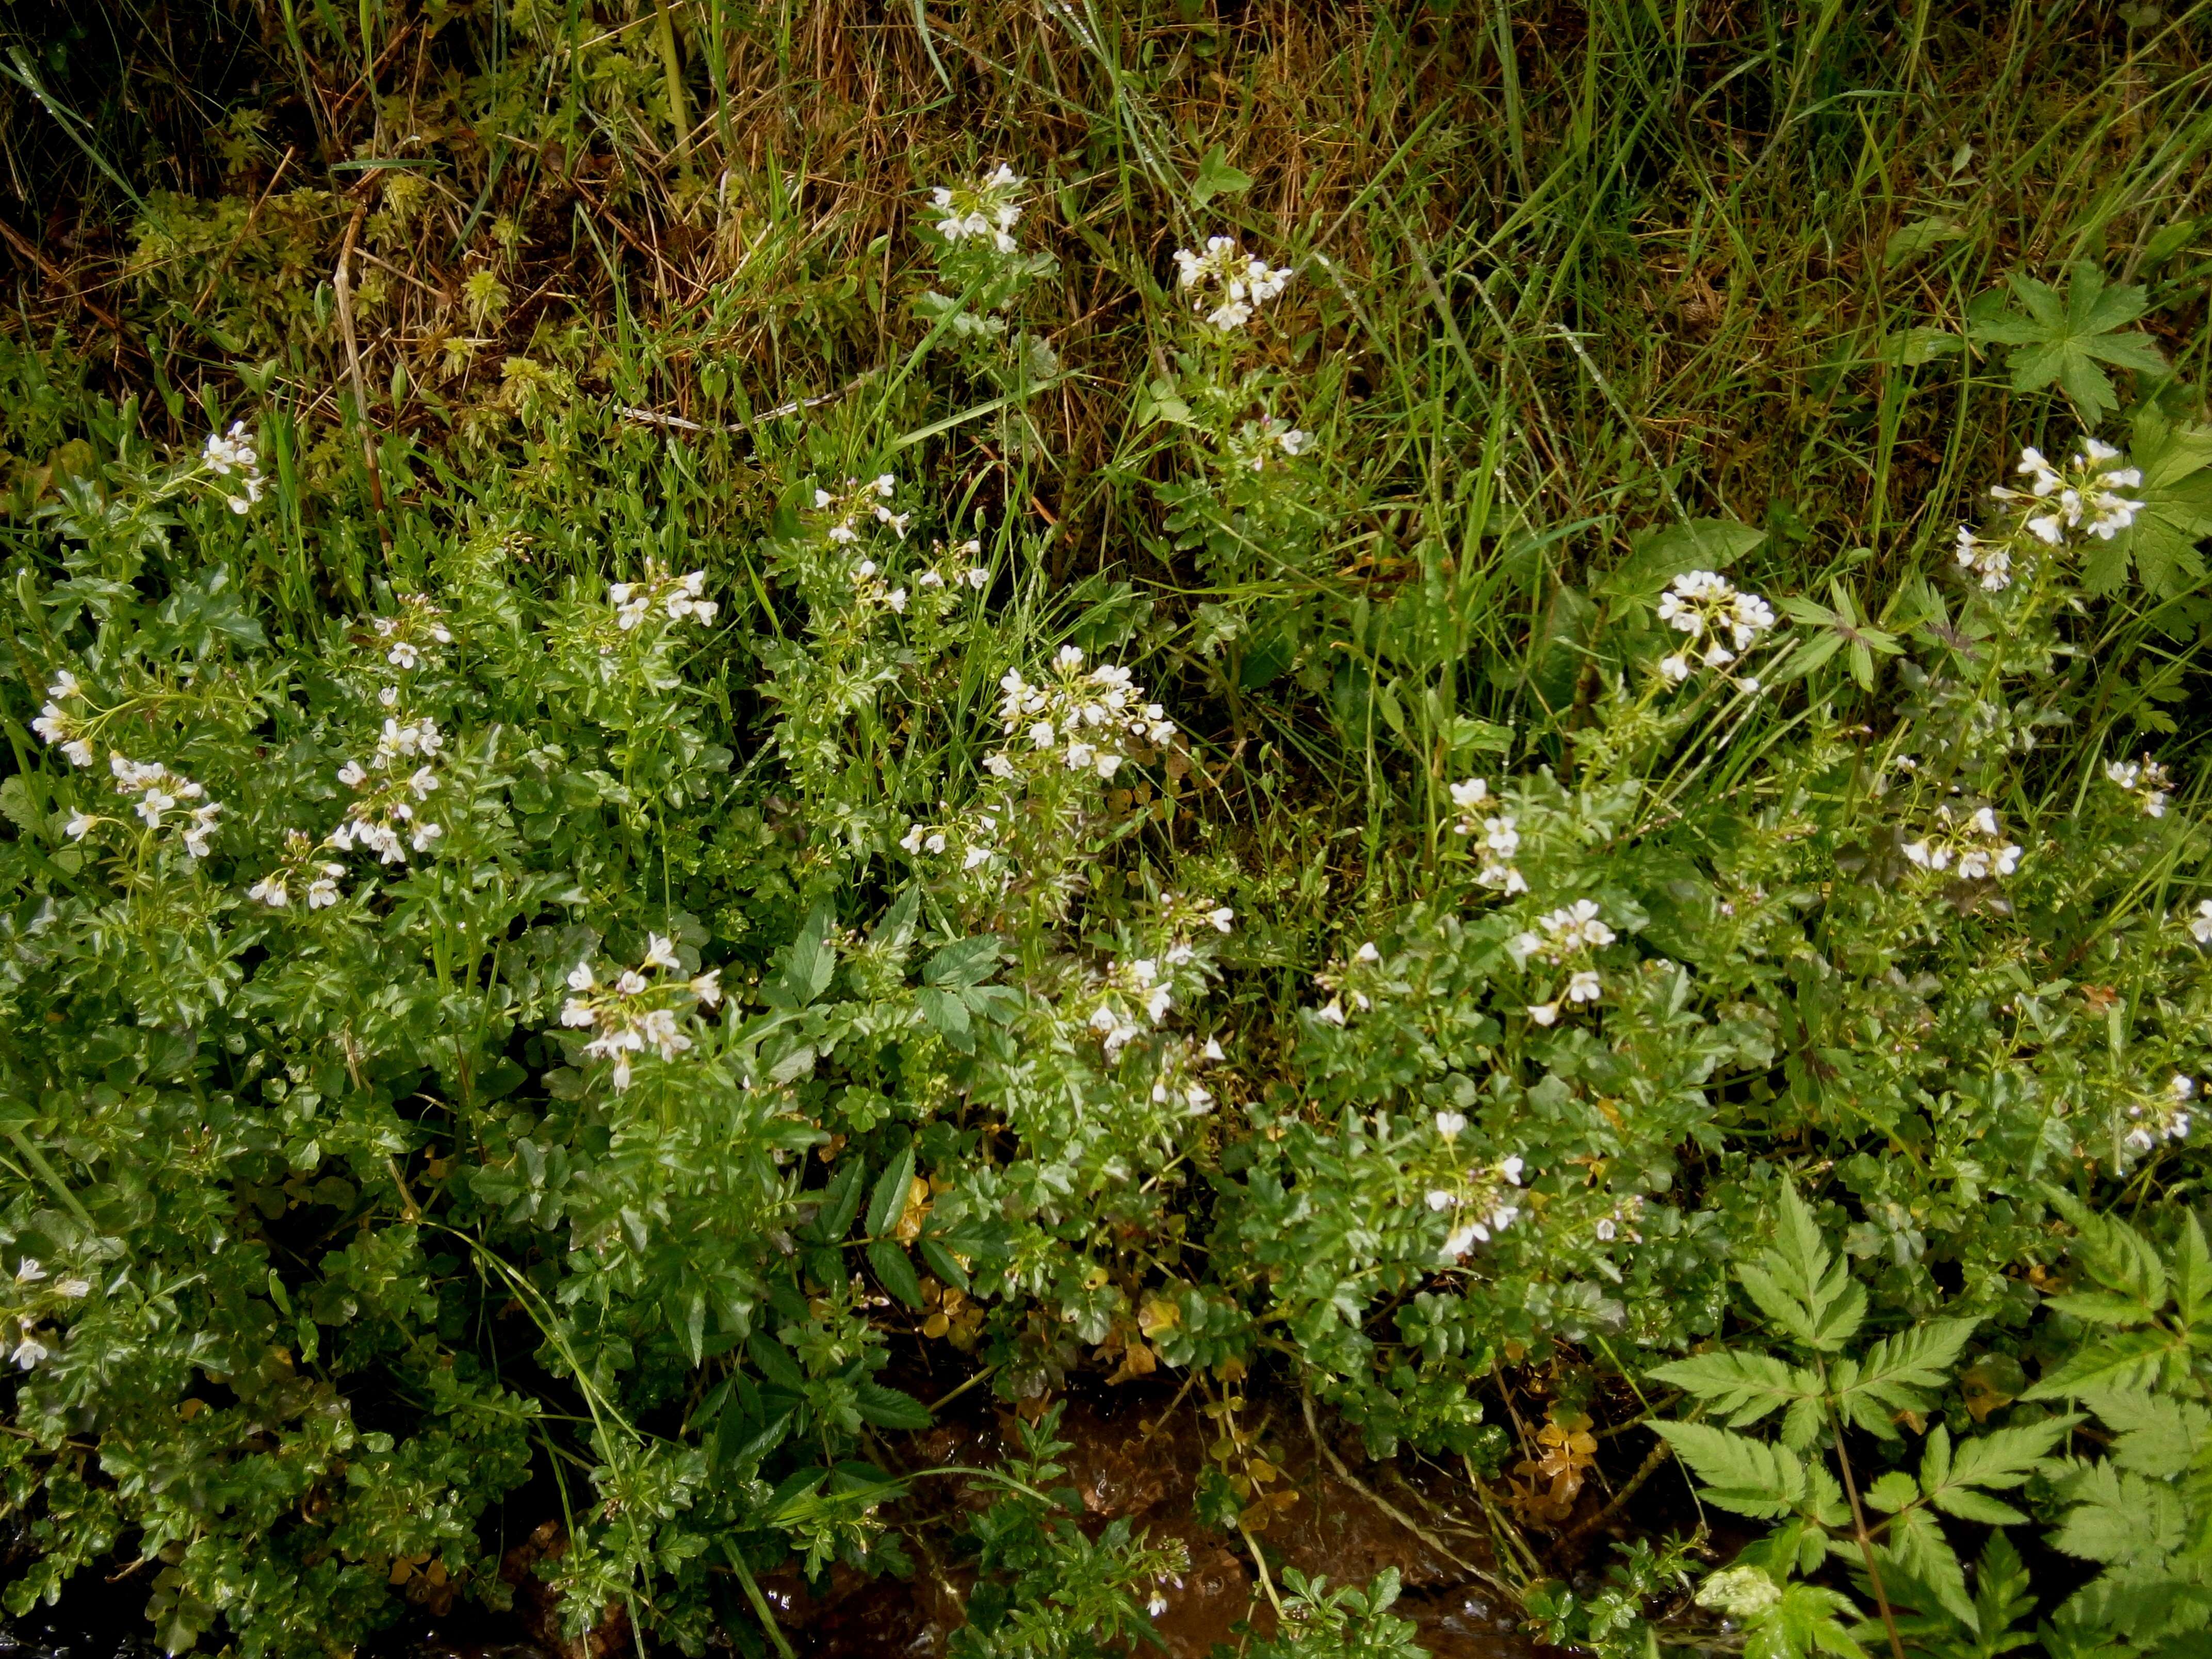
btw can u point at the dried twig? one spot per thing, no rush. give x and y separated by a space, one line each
1427 1537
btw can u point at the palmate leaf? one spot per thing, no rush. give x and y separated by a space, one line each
2175 460
2061 341
1736 1472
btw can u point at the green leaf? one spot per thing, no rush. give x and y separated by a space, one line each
896 1273
1916 1543
888 1202
1897 1373
2061 341
2158 1435
1745 1387
889 1409
807 964
1909 241
1738 1473
1801 1287
2131 1360
840 1202
963 963
2175 492
1657 557
1217 178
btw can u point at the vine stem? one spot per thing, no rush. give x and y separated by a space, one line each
1858 1518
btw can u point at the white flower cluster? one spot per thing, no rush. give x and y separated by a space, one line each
635 1012
985 207
2081 496
58 725
676 597
1076 719
850 512
1976 843
2166 1118
1565 937
1226 284
1723 623
1135 994
1478 1195
30 1346
156 792
2146 780
1266 443
316 879
408 638
232 453
397 779
1495 836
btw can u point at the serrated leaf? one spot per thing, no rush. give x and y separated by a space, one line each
2130 1359
1897 1372
888 1202
889 1409
963 963
1736 1472
1916 1543
2061 341
2119 1516
2158 1435
1893 1491
1745 1387
896 1270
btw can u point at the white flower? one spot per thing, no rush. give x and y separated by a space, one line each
75 1289
425 835
934 841
30 1271
1675 668
323 890
1331 1012
2200 925
152 805
660 952
1439 1200
1544 1013
403 655
631 982
975 856
1449 1124
80 825
30 1351
64 686
79 751
1470 794
1367 952
1606 1229
1294 442
270 890
978 578
1585 987
707 987
1222 919
1511 1167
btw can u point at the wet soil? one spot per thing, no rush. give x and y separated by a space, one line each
1137 1454
1135 1459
